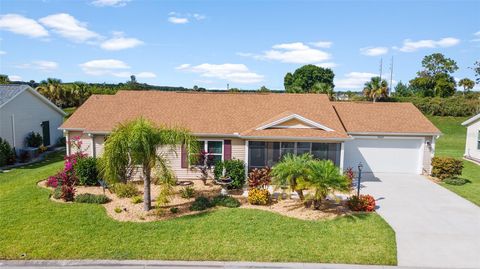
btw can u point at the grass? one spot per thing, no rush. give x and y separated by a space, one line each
42 229
452 143
69 111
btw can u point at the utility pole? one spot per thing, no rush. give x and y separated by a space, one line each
391 76
381 67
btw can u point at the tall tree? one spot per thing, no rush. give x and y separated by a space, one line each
140 142
4 79
305 77
263 89
476 69
467 84
51 89
376 88
435 78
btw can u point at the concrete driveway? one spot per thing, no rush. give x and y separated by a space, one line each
434 227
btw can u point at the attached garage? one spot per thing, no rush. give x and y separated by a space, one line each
385 154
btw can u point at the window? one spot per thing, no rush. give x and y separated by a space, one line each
261 153
213 149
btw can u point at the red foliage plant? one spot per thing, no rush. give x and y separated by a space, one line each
259 178
52 181
365 203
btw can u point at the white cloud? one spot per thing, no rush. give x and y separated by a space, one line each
374 51
119 42
477 37
353 80
2 52
322 44
67 26
112 67
110 3
327 65
296 52
40 65
104 67
411 46
146 75
14 78
238 73
21 25
178 20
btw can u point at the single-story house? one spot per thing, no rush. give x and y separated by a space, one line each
472 145
24 110
259 128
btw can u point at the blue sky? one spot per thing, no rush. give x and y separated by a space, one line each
244 43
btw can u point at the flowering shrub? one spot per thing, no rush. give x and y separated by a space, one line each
52 182
350 175
258 196
259 178
446 167
364 203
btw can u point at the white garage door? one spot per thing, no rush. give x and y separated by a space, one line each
384 155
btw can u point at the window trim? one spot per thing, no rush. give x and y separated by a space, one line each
205 148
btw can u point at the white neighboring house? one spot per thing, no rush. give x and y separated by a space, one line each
23 110
472 145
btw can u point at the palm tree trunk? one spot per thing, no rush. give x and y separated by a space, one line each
300 194
147 201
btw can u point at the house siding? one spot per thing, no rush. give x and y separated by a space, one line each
471 145
29 112
174 156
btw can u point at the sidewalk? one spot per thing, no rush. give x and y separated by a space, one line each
140 264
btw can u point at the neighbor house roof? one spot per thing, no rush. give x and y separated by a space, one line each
247 115
383 118
10 91
471 120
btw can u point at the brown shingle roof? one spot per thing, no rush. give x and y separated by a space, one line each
202 113
363 117
242 113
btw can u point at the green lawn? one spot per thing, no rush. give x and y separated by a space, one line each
42 229
69 111
452 143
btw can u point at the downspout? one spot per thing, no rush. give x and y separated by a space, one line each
94 151
342 155
13 132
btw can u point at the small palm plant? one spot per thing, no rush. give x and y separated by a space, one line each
142 143
324 177
291 171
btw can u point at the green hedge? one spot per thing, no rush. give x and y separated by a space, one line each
456 106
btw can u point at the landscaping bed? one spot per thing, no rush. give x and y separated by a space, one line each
131 211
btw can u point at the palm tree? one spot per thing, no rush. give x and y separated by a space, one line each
376 88
292 170
140 142
51 89
467 84
322 88
325 178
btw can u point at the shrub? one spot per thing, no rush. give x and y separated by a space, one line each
350 175
42 149
201 203
91 198
259 178
218 170
235 169
57 193
33 140
123 190
52 182
225 201
187 192
456 181
365 203
24 156
137 199
258 196
7 155
87 171
61 142
68 193
174 210
446 167
118 210
456 106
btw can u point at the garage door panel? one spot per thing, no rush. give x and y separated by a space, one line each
384 155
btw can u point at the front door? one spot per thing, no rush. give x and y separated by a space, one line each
46 133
